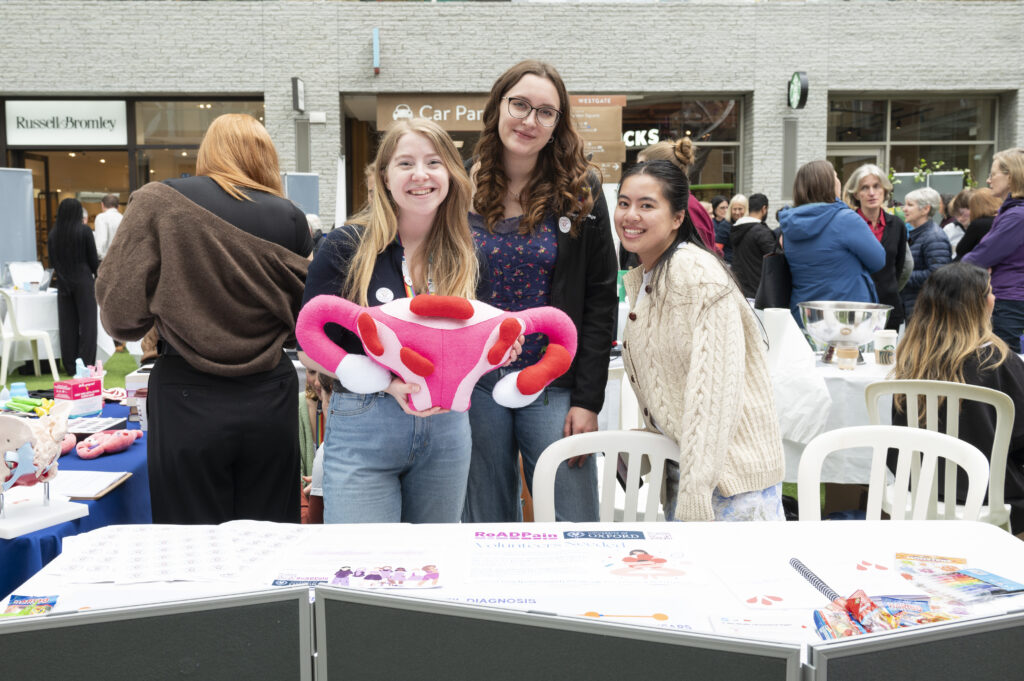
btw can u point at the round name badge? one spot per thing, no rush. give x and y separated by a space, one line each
384 295
564 224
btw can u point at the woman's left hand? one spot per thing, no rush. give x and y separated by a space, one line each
517 349
579 420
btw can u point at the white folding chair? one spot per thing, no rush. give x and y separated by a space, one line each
10 334
633 446
996 512
920 503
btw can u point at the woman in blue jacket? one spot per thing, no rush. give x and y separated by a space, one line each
831 250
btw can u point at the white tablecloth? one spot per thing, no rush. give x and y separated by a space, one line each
846 388
38 312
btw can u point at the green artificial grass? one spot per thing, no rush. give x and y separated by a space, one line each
117 367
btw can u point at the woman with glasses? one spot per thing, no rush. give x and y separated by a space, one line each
1002 249
541 220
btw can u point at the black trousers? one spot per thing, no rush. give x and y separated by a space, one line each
222 448
76 319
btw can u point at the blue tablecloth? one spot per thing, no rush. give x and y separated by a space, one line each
23 556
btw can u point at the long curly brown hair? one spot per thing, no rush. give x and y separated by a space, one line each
560 182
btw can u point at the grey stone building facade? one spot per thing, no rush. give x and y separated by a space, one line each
865 61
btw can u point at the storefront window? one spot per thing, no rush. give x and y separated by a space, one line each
184 122
943 119
856 120
156 165
958 132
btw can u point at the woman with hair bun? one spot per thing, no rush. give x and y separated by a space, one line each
950 338
680 154
831 251
73 256
1002 249
695 358
540 218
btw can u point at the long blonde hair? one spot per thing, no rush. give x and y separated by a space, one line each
448 249
237 152
951 323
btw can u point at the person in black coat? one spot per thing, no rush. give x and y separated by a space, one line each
867 191
751 240
73 256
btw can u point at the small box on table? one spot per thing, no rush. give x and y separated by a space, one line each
84 394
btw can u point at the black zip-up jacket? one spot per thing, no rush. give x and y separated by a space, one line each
583 285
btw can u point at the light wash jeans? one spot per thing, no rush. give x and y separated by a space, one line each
382 465
499 435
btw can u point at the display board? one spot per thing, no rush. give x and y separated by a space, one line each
18 227
980 650
377 637
251 636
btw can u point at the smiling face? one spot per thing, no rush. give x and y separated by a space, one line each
644 219
870 193
416 176
999 181
721 209
525 137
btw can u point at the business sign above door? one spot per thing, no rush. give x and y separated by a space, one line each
452 112
61 122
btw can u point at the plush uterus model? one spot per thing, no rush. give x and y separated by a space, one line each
442 344
106 442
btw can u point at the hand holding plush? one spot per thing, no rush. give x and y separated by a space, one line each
443 344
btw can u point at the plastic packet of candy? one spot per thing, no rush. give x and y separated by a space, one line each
832 622
869 614
20 606
906 609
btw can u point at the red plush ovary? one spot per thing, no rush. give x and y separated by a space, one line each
449 307
417 363
508 332
368 334
554 363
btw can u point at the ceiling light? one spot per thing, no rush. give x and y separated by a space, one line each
71 154
184 153
103 160
151 172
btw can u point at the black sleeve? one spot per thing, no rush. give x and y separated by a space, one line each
327 274
303 239
975 231
766 242
901 249
600 304
92 259
483 281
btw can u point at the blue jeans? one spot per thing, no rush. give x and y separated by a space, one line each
382 465
1008 322
500 435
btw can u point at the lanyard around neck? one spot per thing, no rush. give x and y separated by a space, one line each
410 292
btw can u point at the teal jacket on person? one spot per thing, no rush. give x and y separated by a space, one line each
831 252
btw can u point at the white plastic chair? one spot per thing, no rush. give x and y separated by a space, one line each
920 503
633 446
10 334
996 512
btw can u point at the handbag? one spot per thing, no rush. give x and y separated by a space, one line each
776 283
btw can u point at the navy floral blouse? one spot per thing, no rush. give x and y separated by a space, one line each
521 266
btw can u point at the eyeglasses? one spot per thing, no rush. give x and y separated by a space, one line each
520 108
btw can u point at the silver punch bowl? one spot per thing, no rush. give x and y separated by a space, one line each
839 322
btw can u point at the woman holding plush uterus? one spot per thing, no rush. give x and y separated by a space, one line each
384 462
695 358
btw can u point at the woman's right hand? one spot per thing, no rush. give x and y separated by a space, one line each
401 390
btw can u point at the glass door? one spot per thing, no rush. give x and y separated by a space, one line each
44 204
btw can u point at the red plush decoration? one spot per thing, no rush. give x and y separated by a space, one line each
443 344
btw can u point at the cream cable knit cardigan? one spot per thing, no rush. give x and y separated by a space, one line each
695 357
